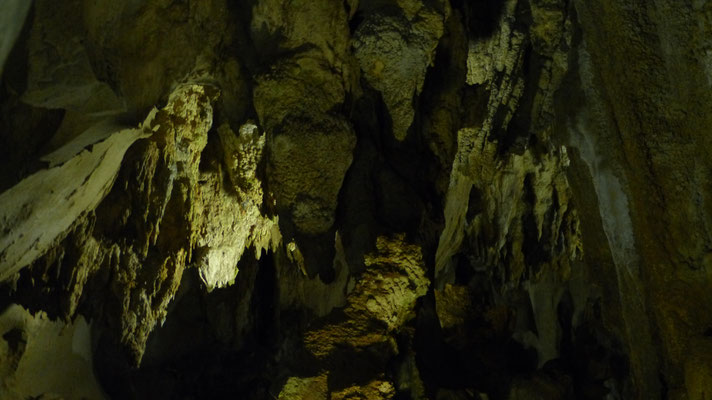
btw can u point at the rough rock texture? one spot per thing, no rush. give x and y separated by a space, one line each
394 46
361 199
43 358
79 176
380 302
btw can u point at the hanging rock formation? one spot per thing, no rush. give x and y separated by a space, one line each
359 199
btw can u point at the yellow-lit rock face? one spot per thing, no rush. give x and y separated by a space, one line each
180 210
374 199
524 197
79 177
379 304
47 358
305 388
379 390
197 218
394 52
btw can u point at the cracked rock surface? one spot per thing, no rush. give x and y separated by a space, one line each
359 199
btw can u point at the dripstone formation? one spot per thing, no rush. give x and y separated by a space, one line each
357 199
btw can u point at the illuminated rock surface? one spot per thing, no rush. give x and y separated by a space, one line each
361 199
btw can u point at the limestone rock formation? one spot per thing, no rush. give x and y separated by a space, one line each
361 199
394 47
43 356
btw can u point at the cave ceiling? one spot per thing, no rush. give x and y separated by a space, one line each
357 199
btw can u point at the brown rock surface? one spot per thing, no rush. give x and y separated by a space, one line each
382 199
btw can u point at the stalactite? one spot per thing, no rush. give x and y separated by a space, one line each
381 199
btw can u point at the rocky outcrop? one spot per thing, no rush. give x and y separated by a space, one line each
78 178
394 47
45 358
380 303
383 199
152 224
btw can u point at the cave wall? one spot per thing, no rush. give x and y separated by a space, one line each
382 199
652 86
